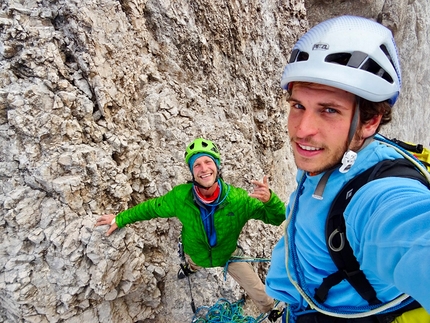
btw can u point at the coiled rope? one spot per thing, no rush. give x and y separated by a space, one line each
225 311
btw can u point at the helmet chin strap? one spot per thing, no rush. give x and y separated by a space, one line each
350 156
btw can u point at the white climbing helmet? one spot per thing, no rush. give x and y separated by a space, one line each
351 53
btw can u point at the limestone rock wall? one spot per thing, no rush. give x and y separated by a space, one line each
98 100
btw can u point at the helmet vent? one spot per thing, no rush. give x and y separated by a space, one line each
298 56
361 61
385 50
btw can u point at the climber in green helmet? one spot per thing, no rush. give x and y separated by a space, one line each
198 148
212 214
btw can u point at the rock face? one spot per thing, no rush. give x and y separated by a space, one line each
98 100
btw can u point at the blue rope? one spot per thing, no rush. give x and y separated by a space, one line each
224 311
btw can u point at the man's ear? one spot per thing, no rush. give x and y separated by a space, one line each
369 128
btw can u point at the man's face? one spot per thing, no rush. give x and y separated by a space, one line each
318 124
205 171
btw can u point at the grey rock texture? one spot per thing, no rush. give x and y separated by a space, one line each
98 100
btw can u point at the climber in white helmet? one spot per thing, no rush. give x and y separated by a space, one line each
342 80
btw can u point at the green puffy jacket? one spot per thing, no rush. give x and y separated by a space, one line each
230 217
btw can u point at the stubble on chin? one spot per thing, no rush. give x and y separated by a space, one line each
319 165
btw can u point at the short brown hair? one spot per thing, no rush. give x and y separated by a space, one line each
370 109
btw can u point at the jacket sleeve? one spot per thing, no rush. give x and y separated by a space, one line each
388 226
271 212
161 207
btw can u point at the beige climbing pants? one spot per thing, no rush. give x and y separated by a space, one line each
243 273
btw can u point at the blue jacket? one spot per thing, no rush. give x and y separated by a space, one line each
387 225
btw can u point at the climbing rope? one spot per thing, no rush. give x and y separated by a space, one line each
225 311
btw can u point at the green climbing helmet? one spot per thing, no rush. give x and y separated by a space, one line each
201 145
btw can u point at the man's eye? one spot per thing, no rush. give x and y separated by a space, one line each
330 110
297 106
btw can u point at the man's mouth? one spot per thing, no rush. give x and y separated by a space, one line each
309 148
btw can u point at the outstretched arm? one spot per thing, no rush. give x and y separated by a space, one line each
261 190
108 219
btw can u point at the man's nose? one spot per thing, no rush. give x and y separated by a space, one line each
308 124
